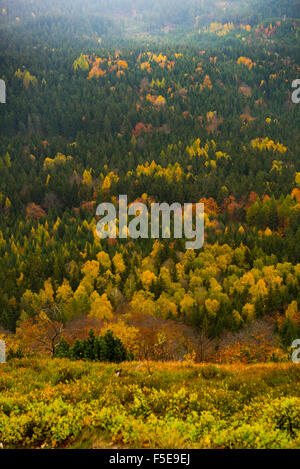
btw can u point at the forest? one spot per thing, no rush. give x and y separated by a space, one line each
176 102
192 105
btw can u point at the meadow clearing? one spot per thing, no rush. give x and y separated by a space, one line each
63 404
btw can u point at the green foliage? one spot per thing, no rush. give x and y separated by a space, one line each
62 403
11 354
288 332
223 129
105 348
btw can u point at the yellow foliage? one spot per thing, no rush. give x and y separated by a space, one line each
143 303
247 62
122 65
109 179
27 78
249 312
259 289
212 307
146 66
292 313
104 260
90 269
129 335
166 307
172 172
187 304
218 28
101 307
206 83
87 177
119 264
267 144
147 278
81 63
59 159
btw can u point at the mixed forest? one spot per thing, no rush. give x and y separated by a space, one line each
183 103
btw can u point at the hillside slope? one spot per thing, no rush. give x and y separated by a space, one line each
153 405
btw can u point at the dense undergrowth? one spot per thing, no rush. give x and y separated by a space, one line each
59 403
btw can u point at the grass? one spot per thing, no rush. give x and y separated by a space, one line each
59 403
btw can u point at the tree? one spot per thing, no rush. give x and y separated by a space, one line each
101 307
39 334
103 348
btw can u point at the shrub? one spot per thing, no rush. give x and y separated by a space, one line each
11 354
